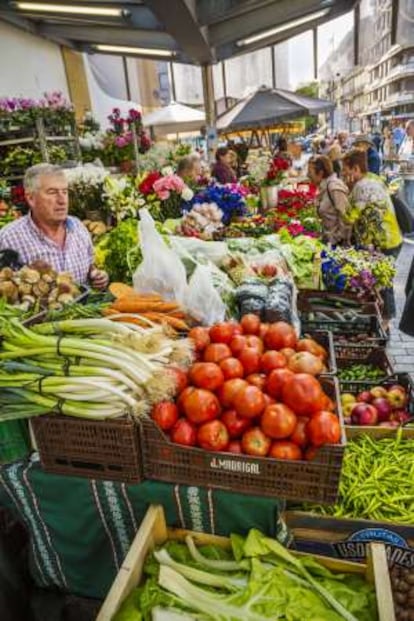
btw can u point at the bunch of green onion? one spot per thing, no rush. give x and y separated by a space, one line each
90 368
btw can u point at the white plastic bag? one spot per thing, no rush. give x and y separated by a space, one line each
203 301
161 270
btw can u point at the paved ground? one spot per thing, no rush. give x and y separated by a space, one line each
401 346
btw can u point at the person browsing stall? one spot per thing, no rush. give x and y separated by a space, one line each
48 233
365 144
332 200
222 169
189 168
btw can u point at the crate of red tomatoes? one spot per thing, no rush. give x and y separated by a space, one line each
251 415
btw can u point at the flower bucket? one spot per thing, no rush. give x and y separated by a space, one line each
269 197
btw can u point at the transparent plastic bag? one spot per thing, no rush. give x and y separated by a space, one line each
161 271
203 302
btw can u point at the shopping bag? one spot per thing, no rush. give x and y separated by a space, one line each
161 271
203 302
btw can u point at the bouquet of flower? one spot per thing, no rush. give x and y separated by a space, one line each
121 197
122 134
171 191
276 172
230 199
356 270
86 186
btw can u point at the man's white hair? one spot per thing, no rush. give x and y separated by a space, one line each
33 174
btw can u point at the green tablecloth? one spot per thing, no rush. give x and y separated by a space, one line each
81 529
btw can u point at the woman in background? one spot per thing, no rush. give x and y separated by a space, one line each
222 169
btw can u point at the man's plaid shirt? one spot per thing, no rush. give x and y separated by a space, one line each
27 239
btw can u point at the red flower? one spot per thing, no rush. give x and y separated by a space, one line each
146 185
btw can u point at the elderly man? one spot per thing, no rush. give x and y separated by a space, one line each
48 233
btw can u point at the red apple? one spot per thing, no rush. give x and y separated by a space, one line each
365 396
364 414
383 408
397 398
400 416
378 391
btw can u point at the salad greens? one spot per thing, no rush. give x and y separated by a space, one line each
256 580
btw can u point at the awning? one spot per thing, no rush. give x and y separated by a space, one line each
174 118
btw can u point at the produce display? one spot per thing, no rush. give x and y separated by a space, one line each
387 406
402 581
253 390
376 481
256 579
37 286
361 372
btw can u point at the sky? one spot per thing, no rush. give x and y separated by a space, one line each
300 48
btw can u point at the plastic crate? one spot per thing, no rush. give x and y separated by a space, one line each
377 357
326 340
315 480
345 299
107 449
363 327
346 349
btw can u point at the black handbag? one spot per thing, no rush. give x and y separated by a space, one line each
403 213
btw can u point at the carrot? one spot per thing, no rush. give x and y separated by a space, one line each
119 290
136 305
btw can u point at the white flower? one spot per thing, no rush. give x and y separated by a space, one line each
167 170
187 194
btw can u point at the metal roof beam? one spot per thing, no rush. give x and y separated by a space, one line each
30 27
110 35
181 23
211 11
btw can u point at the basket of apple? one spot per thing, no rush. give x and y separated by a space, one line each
379 410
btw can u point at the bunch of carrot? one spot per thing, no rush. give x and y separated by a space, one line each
132 307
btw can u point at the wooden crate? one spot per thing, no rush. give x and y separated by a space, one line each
376 432
154 531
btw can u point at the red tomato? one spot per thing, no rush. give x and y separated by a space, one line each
303 394
268 400
323 428
236 425
216 352
250 359
228 391
280 335
237 344
312 347
255 342
285 450
231 367
250 324
275 382
165 414
180 378
327 403
237 329
200 337
299 435
278 421
263 329
249 401
257 379
272 359
254 442
304 362
180 401
213 436
222 332
288 352
206 375
184 432
234 446
201 406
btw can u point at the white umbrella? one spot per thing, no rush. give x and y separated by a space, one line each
174 119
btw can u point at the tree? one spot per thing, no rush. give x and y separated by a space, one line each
309 90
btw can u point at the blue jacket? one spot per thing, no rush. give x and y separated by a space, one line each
374 161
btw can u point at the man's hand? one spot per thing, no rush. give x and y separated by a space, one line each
98 278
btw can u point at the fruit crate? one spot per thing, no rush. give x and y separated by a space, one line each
314 298
108 449
154 532
363 326
377 432
378 357
315 481
346 349
325 339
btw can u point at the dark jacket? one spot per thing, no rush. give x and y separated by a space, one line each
374 161
223 173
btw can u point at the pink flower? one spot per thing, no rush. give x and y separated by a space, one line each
163 194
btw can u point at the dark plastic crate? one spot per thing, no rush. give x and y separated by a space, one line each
377 357
315 481
108 449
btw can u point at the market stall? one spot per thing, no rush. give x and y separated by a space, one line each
235 361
